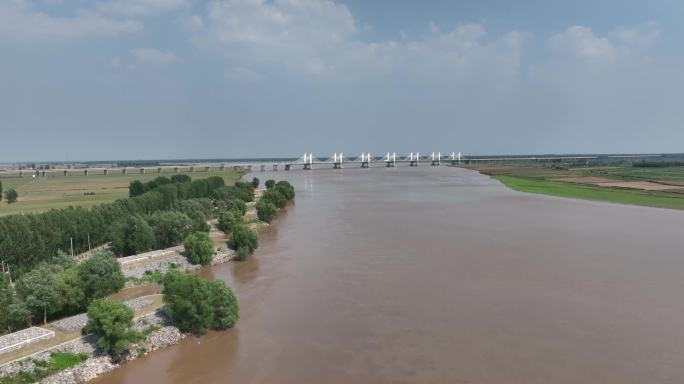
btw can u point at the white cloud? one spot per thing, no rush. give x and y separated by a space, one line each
140 7
151 55
581 42
320 37
20 20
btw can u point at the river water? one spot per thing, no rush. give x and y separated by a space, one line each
442 275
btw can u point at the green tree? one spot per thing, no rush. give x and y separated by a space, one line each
132 236
199 249
135 188
195 305
180 179
224 304
188 304
232 204
37 289
112 323
71 296
228 219
170 228
266 210
11 196
270 183
100 275
243 237
286 189
255 182
18 315
6 297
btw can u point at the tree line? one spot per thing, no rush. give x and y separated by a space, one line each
59 289
163 212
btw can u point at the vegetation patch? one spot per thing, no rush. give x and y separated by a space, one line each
589 192
57 362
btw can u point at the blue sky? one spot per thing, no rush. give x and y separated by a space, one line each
147 79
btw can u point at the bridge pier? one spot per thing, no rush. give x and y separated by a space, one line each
123 171
176 170
390 164
262 167
192 169
288 166
66 173
307 167
85 172
159 170
413 163
21 173
142 171
275 167
435 162
249 168
337 166
364 164
43 173
106 172
208 169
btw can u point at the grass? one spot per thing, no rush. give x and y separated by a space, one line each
58 361
53 191
589 192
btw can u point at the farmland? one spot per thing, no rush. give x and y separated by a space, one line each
45 193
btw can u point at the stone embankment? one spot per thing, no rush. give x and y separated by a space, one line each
161 335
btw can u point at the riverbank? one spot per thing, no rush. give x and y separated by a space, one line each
142 294
662 188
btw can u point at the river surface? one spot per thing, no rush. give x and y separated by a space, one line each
442 275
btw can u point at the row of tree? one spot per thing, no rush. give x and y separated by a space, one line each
59 289
277 195
192 304
28 240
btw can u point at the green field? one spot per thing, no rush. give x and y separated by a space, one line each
590 192
45 193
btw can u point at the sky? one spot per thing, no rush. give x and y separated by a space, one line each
160 79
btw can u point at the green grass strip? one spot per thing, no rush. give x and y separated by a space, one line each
590 192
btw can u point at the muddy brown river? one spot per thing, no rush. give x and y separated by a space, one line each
442 275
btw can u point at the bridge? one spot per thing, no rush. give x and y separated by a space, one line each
307 162
366 160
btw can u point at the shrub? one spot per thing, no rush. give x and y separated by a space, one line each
199 249
195 305
170 228
255 182
242 253
270 183
131 236
232 204
135 188
100 275
224 304
275 196
228 219
11 196
180 178
286 189
243 237
266 210
112 323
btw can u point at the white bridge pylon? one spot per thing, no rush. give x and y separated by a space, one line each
365 159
